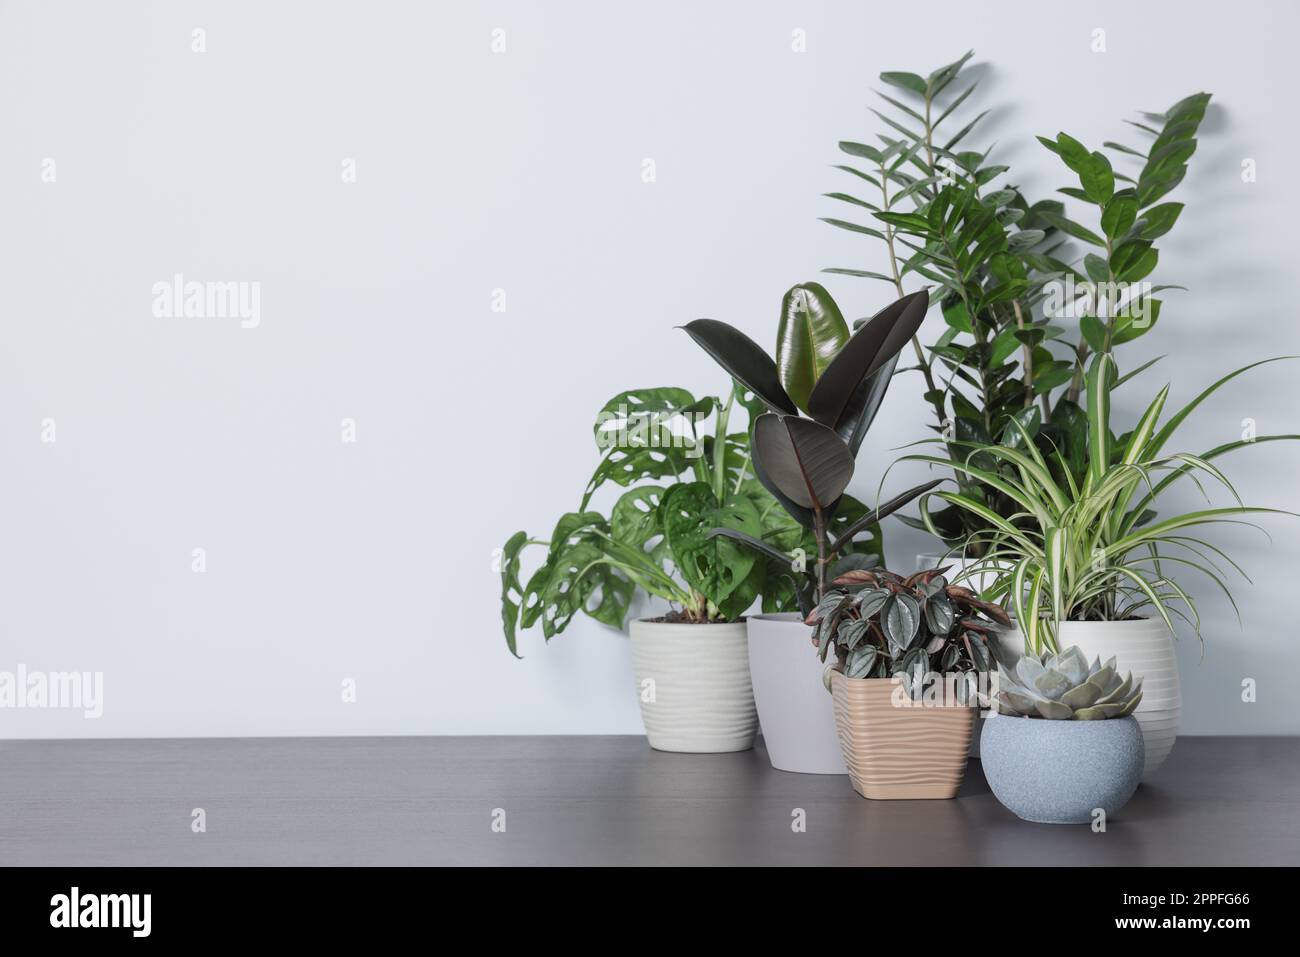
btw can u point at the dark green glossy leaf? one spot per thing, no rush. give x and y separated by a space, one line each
810 333
808 462
1119 215
846 397
743 360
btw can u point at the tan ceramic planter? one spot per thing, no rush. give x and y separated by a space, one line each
900 753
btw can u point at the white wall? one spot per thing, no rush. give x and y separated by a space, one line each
372 561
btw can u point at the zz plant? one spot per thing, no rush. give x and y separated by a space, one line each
1096 549
1023 315
805 461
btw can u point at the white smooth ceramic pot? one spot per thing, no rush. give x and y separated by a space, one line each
1144 647
794 708
692 682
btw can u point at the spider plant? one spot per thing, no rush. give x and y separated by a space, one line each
1090 549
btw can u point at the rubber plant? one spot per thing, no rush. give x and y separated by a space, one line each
821 394
1024 315
680 482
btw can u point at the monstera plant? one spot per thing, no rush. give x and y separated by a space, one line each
820 393
680 483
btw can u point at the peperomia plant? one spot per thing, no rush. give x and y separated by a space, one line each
1093 550
882 625
806 462
1009 364
681 482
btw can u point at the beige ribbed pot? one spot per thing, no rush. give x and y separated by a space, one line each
900 753
692 682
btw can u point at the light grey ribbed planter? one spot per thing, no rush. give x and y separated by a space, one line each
1061 772
692 682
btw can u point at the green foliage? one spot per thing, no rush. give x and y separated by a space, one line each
1023 313
682 485
1065 687
881 625
1092 549
810 334
805 462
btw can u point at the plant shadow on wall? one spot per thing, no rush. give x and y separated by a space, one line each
1024 316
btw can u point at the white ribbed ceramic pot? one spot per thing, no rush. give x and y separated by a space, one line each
1144 647
693 685
794 707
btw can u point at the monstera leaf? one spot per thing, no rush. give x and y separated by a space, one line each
715 567
626 410
575 578
809 335
850 391
744 359
808 462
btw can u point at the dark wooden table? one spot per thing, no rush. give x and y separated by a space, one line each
591 800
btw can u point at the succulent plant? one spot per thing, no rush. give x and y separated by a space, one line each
1065 686
882 625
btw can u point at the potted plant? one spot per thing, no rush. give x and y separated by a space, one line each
910 655
1023 316
1090 563
805 462
1062 744
680 483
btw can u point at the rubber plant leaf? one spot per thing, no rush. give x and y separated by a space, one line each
811 331
846 397
804 516
808 462
744 360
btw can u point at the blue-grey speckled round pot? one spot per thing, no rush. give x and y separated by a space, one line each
1059 772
